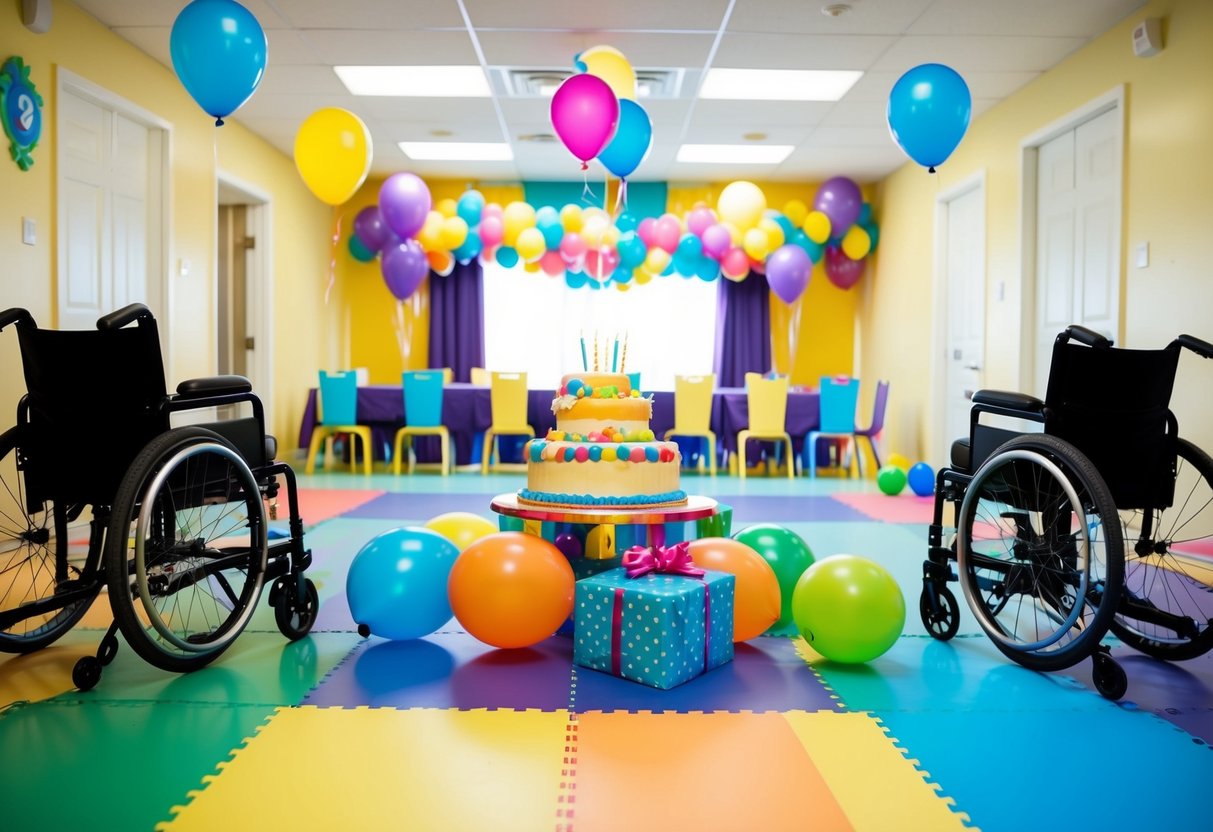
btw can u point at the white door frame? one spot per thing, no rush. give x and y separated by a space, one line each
1029 149
939 334
260 277
159 286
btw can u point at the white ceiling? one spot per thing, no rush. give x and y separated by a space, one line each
996 45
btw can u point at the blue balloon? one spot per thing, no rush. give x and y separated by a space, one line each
469 248
708 269
575 280
627 222
547 220
396 585
632 250
469 206
929 111
507 257
921 479
219 52
632 141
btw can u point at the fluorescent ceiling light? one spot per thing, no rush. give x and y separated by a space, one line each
458 151
778 84
415 81
737 154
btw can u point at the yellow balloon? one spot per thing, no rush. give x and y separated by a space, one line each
530 245
333 154
446 207
593 229
741 203
609 64
610 237
795 211
756 244
462 527
430 235
517 216
899 461
454 232
640 276
656 260
775 237
532 268
570 218
623 287
817 227
856 243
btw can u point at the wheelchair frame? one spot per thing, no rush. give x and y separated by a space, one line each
1039 544
187 520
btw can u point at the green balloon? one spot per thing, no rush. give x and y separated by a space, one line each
359 251
788 555
849 609
891 479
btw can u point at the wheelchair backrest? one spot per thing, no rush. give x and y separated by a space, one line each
95 398
1113 405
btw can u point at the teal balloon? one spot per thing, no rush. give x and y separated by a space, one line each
469 207
928 113
786 224
707 270
865 214
469 248
219 52
359 251
633 138
788 555
507 256
547 220
627 222
874 233
632 250
849 609
396 585
575 280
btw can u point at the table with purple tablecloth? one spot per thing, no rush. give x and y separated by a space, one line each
467 411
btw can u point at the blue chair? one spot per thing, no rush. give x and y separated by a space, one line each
422 417
634 380
339 415
839 396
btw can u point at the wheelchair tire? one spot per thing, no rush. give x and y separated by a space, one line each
1167 606
1043 588
28 555
186 549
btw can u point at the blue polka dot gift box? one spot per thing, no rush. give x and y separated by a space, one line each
659 620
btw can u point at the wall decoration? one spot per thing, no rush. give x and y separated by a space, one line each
20 111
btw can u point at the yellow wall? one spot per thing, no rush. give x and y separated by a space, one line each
305 328
1167 185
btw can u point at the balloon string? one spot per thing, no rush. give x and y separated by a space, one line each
586 190
621 198
333 259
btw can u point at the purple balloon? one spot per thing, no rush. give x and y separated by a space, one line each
370 229
569 545
585 115
716 240
404 202
841 270
788 270
404 267
840 200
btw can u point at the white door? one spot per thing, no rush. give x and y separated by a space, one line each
964 287
107 201
1077 235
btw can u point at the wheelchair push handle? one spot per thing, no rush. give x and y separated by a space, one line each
1202 348
121 317
17 316
1082 335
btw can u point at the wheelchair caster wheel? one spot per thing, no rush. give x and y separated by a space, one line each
1109 677
941 623
294 617
87 673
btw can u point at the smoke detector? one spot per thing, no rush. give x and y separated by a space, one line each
836 9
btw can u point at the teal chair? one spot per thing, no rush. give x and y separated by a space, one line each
422 417
339 415
839 397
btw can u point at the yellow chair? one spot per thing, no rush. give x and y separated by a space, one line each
338 407
480 377
508 393
693 412
767 399
422 416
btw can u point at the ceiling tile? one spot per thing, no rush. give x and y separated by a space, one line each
746 116
985 53
390 48
771 51
374 15
605 19
1040 18
867 17
557 49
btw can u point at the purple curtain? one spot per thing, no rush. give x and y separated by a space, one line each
743 330
457 319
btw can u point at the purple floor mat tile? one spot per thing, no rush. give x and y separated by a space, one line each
758 509
450 670
765 675
420 506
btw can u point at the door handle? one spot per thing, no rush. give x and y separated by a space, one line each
972 366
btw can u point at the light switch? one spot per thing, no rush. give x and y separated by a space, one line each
183 267
29 231
1143 255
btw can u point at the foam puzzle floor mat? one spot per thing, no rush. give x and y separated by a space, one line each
445 732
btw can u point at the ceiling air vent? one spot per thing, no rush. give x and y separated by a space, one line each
542 83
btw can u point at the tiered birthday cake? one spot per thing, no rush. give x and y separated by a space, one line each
602 452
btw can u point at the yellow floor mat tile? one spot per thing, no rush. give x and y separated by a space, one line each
363 768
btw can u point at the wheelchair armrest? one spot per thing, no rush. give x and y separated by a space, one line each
1085 336
1005 400
121 317
1202 348
16 315
213 386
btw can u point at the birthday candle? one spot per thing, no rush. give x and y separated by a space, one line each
595 350
615 355
584 365
623 361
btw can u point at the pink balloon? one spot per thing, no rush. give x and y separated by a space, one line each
585 115
493 209
699 219
716 240
404 202
647 231
572 246
600 263
735 262
841 270
492 230
666 233
552 263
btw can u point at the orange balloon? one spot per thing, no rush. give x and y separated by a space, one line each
756 598
511 589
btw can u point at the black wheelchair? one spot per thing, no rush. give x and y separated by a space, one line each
1102 521
98 490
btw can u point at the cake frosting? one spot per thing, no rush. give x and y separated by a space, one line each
602 452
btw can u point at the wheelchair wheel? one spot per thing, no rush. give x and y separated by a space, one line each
186 549
1167 607
31 553
1040 553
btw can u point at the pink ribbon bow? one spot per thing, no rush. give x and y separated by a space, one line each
668 560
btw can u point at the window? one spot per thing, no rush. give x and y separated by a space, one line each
535 323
